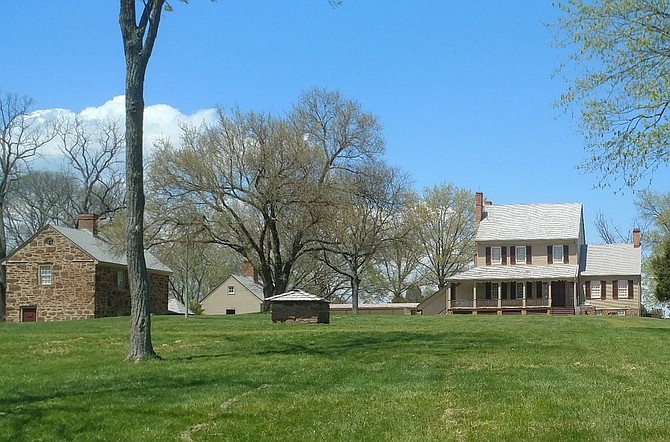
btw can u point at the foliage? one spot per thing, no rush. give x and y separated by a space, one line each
263 185
660 269
444 219
408 378
620 83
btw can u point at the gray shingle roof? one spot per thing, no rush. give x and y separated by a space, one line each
102 251
295 295
250 285
530 222
517 272
610 260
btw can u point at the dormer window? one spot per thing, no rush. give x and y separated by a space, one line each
557 253
496 255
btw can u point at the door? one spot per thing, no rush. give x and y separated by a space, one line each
28 314
558 294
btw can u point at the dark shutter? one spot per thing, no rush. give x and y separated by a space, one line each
603 290
503 254
587 289
503 289
566 254
529 256
512 290
615 289
512 255
538 294
488 290
529 290
488 256
630 289
550 255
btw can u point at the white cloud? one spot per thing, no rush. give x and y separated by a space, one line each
160 120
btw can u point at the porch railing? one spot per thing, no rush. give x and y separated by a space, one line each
537 302
461 303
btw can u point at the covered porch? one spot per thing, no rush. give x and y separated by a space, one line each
519 290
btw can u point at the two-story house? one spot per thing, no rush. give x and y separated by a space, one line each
533 259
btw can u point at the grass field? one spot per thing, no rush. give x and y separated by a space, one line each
403 378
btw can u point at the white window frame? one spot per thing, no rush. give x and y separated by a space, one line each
520 251
621 312
555 255
622 289
595 290
231 289
46 274
499 260
495 290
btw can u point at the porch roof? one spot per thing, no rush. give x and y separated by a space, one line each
517 273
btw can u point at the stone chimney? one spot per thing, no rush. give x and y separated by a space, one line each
636 237
249 271
88 221
479 209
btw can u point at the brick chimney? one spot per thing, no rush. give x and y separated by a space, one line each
88 221
636 237
249 271
479 209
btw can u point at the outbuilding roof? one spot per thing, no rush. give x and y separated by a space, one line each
527 222
295 295
611 260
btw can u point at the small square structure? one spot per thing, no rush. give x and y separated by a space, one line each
299 306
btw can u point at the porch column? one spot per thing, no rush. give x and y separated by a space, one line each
524 295
474 295
549 294
499 297
448 298
574 295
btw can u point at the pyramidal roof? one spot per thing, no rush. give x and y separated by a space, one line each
530 222
295 295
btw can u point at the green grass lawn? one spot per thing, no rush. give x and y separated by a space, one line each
404 378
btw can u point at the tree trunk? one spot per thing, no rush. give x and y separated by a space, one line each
355 283
3 255
137 54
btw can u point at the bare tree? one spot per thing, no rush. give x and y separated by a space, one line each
21 135
609 232
365 220
138 43
93 152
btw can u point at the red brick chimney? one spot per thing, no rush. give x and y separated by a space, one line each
636 237
249 271
479 209
88 221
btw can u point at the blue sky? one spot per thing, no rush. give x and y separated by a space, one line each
464 90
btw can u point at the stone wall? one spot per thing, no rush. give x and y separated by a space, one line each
112 300
71 292
301 312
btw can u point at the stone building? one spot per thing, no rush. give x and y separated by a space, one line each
62 273
299 306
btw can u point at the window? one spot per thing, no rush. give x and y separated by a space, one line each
545 290
45 274
230 311
121 280
520 254
622 288
494 288
496 256
621 312
231 289
49 241
519 290
557 254
595 289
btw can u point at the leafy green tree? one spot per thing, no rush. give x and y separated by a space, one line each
619 75
660 268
